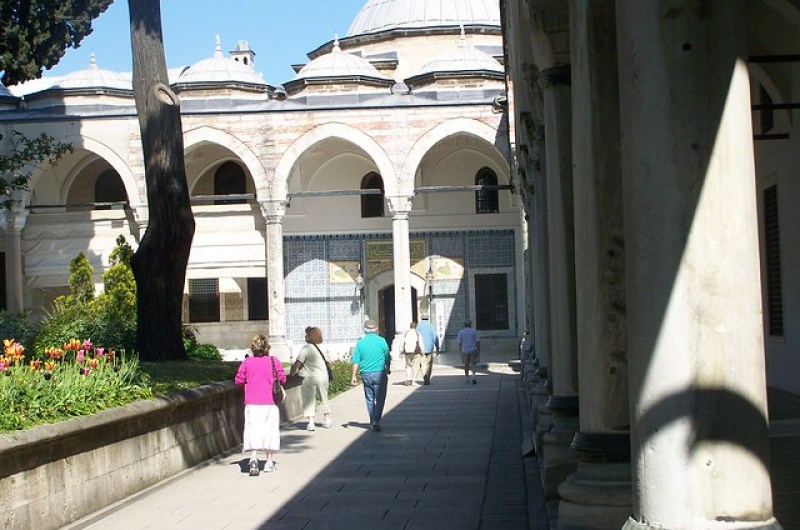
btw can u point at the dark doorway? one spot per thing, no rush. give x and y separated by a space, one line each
387 326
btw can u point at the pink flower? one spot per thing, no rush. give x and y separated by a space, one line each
80 356
99 351
87 345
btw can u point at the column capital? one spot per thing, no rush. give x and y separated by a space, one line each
273 210
400 206
560 75
13 221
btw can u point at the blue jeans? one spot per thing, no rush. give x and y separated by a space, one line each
375 384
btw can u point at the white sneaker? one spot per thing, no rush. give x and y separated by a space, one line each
328 423
270 466
311 426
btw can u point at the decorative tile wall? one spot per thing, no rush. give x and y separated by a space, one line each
312 299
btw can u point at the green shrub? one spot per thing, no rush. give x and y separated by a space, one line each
17 326
108 319
342 370
205 352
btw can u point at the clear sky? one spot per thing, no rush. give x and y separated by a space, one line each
281 32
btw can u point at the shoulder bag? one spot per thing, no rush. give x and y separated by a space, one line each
327 364
278 393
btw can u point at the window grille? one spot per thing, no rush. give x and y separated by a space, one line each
491 301
230 180
257 307
766 115
772 245
486 201
204 300
372 205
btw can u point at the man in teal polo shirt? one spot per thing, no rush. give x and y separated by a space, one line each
371 357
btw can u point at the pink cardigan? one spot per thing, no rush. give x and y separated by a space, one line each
256 375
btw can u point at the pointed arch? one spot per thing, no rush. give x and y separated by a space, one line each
445 130
136 195
242 151
333 130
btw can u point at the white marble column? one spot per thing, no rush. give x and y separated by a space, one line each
141 216
559 461
273 212
400 207
14 223
598 494
699 427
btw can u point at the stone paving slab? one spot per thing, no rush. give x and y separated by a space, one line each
448 458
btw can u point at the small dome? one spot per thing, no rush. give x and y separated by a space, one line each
93 77
338 64
463 58
220 69
380 15
243 46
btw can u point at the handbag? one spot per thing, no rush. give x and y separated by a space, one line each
327 364
278 392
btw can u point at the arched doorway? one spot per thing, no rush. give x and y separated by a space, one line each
387 327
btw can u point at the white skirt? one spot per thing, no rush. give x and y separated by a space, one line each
262 428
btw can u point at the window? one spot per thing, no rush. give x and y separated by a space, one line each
491 301
204 300
109 188
772 246
257 308
372 204
486 201
766 115
230 180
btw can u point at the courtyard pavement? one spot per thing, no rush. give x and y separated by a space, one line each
449 457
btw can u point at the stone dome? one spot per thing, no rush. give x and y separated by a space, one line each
219 69
93 77
380 15
338 64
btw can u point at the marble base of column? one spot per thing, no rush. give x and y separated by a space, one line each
558 459
598 495
771 524
280 348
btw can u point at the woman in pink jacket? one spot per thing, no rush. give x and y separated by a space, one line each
262 418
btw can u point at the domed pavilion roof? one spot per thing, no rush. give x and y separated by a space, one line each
219 69
93 77
379 15
339 64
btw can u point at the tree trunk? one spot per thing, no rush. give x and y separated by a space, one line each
159 264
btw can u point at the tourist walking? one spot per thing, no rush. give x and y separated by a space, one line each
412 350
371 358
469 344
430 343
262 418
311 366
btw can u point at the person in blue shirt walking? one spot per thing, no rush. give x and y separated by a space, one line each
469 344
371 357
430 342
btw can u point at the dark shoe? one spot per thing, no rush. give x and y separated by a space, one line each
474 381
376 427
254 471
426 381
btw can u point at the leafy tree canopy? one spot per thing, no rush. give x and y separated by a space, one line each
24 155
34 34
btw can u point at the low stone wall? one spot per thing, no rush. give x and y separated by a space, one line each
53 475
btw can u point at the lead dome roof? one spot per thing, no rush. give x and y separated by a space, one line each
379 15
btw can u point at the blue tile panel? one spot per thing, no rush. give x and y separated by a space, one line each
313 300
